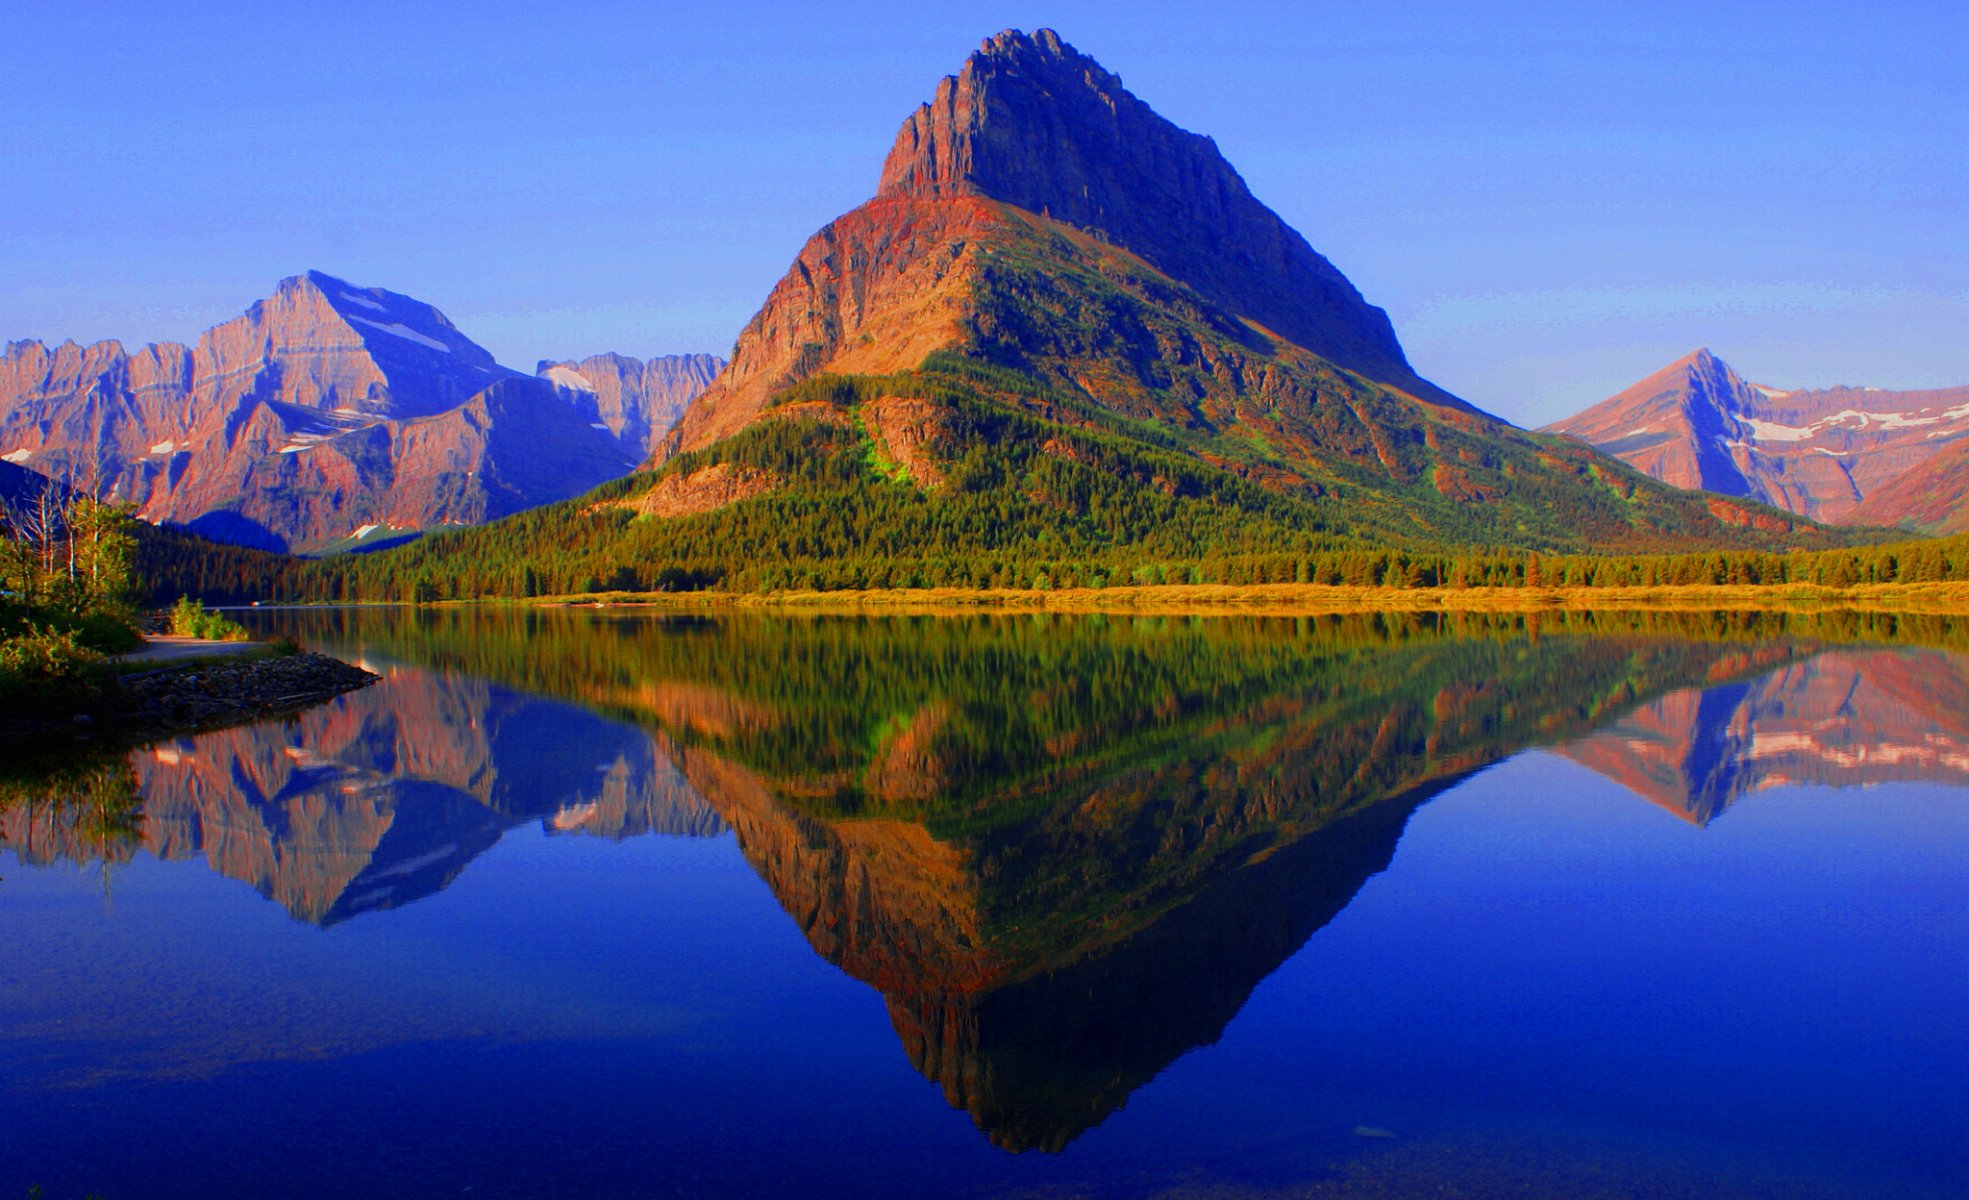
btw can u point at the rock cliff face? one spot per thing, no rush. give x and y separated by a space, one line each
1033 123
1820 453
637 400
18 483
326 413
874 291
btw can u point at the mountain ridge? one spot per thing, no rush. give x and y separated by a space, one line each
1931 497
1819 452
325 413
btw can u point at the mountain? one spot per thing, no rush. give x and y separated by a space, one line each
1820 453
1932 496
326 413
637 400
1065 330
18 484
1028 150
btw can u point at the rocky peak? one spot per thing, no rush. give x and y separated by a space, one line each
1705 381
390 321
1032 122
323 342
1697 423
637 401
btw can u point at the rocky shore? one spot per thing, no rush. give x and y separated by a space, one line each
179 700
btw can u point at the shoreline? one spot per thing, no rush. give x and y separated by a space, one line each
1290 599
186 697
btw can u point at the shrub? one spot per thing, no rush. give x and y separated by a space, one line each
44 664
108 632
189 619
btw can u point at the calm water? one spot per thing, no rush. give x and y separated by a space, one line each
582 905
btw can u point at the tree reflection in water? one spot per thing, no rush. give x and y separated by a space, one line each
1065 850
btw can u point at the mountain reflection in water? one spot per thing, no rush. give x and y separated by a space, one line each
380 797
1840 718
1064 850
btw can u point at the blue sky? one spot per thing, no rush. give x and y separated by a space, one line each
1550 200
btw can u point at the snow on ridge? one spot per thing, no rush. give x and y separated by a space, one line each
1851 418
568 377
17 456
1890 420
598 425
1771 431
405 332
365 301
1771 393
164 448
363 531
297 442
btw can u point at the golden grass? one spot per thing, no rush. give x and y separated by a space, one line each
1302 599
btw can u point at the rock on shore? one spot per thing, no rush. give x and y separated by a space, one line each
227 693
171 701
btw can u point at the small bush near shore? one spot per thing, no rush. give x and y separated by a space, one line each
43 663
189 619
108 632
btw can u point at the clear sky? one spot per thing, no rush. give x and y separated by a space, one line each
1550 200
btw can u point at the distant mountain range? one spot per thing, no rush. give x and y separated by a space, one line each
330 415
1856 455
1063 340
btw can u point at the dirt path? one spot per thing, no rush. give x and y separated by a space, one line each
164 649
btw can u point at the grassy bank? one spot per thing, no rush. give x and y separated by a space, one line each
1293 599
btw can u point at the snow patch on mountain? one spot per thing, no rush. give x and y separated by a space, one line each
405 332
1771 431
568 377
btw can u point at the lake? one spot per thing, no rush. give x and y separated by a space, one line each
602 903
